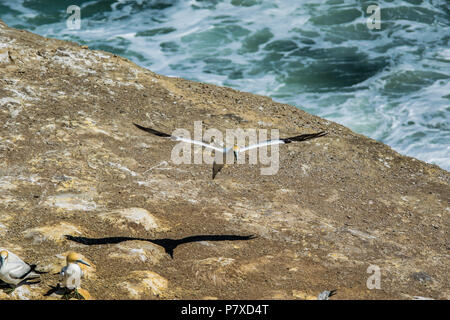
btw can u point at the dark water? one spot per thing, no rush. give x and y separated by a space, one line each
391 84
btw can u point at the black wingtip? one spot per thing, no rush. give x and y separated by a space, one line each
152 131
138 126
304 137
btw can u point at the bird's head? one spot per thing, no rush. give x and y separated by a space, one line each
235 152
74 257
3 257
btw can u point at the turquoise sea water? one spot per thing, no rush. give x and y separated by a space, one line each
391 84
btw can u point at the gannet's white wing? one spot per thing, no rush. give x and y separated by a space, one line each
15 270
175 138
200 143
72 276
19 270
302 137
262 144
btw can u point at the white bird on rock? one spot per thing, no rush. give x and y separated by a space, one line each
72 273
235 149
14 271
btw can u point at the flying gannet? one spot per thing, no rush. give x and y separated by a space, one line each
71 275
14 271
235 150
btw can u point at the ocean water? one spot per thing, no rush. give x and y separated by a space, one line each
390 83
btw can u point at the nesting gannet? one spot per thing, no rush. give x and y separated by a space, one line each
14 271
71 274
235 150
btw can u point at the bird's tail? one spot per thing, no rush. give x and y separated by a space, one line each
33 269
32 273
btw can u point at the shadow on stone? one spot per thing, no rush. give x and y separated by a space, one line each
55 289
7 288
168 244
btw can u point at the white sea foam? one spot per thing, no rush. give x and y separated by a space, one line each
390 84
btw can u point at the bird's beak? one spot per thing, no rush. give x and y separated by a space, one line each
83 262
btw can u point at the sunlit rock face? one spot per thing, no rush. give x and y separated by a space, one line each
76 175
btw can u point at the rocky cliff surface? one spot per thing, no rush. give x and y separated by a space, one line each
76 175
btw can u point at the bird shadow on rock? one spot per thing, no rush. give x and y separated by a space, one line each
55 289
7 288
64 292
169 245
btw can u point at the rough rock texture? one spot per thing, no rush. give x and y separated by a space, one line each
72 163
